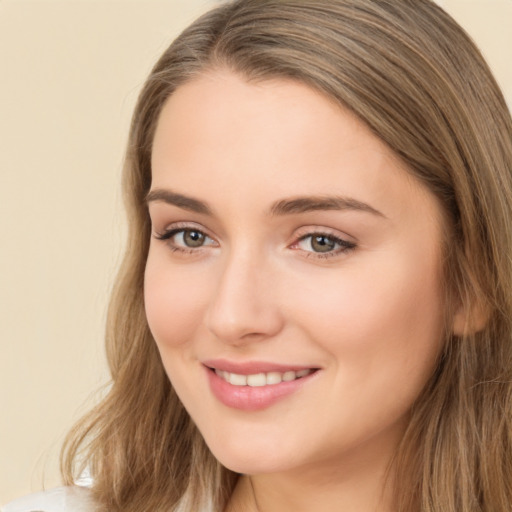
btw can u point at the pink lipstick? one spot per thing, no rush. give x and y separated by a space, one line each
252 386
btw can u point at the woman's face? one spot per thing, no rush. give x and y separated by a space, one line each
293 283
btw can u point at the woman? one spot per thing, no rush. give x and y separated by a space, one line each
314 311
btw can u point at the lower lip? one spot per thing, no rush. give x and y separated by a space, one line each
248 398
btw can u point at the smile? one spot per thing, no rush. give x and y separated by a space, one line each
255 386
262 379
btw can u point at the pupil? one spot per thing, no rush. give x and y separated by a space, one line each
193 238
322 244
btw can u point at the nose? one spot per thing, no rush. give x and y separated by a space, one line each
243 308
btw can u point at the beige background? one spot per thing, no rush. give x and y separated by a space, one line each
69 75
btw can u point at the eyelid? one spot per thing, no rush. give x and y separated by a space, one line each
179 226
314 229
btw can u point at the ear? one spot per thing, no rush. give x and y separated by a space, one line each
470 320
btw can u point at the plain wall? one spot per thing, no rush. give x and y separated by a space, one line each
70 72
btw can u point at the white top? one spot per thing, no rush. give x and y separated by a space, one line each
61 499
75 498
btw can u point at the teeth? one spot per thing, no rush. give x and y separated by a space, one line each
237 380
288 376
274 378
261 379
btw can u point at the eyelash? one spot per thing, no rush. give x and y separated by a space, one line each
344 246
166 236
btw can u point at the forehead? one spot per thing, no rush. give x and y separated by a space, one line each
278 102
219 133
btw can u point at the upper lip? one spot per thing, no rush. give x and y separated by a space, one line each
253 367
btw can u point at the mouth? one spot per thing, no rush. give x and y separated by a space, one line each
255 386
262 379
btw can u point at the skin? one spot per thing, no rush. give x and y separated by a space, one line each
369 317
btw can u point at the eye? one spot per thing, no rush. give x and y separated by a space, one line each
318 243
190 238
183 239
324 245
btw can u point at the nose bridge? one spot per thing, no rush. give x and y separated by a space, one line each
242 307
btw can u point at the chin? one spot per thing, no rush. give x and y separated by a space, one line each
251 466
250 460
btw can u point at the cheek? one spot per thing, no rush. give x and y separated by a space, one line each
174 301
382 319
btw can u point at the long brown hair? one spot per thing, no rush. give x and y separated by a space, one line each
420 84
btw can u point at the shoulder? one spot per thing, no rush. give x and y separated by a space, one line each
61 499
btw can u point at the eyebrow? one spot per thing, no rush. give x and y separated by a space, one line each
316 203
179 200
282 207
